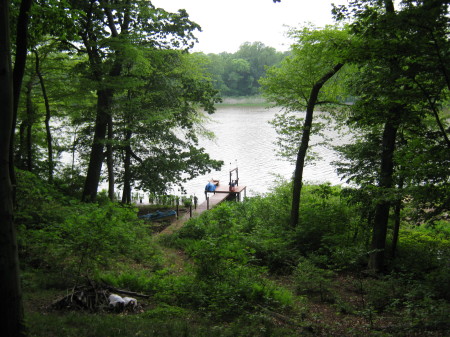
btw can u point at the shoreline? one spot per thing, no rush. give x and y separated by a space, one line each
243 101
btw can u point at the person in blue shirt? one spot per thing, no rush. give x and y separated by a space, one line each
210 187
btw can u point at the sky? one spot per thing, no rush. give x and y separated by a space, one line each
226 24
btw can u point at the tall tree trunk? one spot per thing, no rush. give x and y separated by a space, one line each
19 158
104 101
301 155
29 127
126 196
397 210
47 119
19 70
378 245
376 260
11 310
104 98
110 159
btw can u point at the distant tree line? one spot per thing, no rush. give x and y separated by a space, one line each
238 74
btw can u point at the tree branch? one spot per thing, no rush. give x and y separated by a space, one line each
136 157
110 18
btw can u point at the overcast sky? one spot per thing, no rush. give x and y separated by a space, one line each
226 24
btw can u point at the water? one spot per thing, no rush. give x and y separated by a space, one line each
244 138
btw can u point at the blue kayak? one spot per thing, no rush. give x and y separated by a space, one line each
157 215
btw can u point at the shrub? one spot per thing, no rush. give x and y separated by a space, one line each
227 278
421 249
38 203
324 220
90 238
313 280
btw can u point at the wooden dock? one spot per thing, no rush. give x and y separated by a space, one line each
230 192
221 194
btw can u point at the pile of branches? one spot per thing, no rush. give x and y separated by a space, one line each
95 298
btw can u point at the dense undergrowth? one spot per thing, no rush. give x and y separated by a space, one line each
236 270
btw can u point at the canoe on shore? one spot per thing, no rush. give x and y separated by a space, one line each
158 215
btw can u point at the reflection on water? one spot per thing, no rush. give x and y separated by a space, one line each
244 136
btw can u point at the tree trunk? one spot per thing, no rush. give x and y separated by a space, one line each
29 128
11 310
110 159
126 197
19 69
104 102
104 98
378 245
376 260
47 119
19 158
301 155
397 210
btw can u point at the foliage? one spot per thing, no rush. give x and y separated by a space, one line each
38 203
98 73
240 256
225 269
312 280
158 133
400 88
289 84
238 74
314 52
423 249
74 240
91 238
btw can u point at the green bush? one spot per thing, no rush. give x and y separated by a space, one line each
313 280
228 280
421 249
135 280
165 311
38 203
90 238
324 220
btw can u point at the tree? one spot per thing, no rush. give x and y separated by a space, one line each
394 88
159 120
238 74
48 115
10 290
259 58
151 27
21 44
302 81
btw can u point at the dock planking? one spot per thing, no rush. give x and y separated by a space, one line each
232 192
221 194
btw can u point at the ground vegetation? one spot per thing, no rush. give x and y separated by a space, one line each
239 269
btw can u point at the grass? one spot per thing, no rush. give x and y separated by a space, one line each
74 324
345 315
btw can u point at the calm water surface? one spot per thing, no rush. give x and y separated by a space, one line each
246 139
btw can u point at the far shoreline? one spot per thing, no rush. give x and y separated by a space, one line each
244 101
